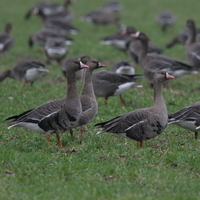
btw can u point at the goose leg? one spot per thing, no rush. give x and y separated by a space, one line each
81 137
71 132
59 141
139 144
122 100
196 135
48 138
105 101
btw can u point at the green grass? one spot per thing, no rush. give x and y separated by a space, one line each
103 166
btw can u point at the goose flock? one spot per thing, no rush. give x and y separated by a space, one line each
78 109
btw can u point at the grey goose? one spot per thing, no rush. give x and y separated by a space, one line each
56 116
192 47
144 123
26 70
6 40
123 67
155 62
108 83
188 118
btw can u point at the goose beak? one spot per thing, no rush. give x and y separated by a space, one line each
101 65
168 76
135 35
83 65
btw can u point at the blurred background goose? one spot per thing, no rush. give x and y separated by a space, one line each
26 70
165 19
6 40
123 67
188 118
142 124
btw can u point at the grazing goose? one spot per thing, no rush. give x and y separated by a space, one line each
40 37
123 67
192 47
27 71
50 10
88 99
155 62
145 123
108 83
56 116
182 37
6 40
119 39
102 16
55 49
165 19
188 118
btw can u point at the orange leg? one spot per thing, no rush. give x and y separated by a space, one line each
105 101
122 100
48 138
59 141
81 137
139 144
71 132
196 135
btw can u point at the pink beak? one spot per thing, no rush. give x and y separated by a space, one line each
83 65
168 76
101 65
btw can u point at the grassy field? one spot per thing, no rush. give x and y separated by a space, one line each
103 166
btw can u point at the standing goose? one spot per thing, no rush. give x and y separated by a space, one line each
56 116
155 62
123 67
108 83
26 70
6 40
192 47
188 118
88 99
145 123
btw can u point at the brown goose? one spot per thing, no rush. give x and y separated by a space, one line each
192 47
188 118
165 19
6 40
88 99
26 70
55 116
123 67
145 123
108 83
155 62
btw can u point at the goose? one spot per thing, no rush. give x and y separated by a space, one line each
102 16
26 70
120 38
145 123
182 37
123 67
155 62
51 10
188 118
165 19
6 40
192 47
55 49
88 99
113 6
56 116
109 83
40 37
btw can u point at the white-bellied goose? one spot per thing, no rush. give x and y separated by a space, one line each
88 99
6 40
108 83
40 37
123 67
182 37
155 62
55 49
192 47
145 123
120 38
102 16
188 118
56 116
165 19
26 70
